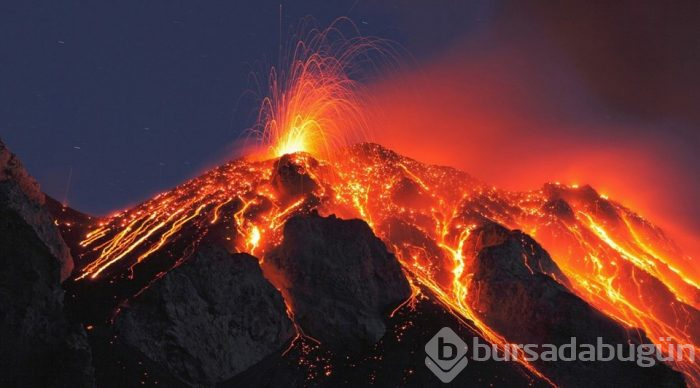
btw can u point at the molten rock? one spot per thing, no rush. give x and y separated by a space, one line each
339 279
405 234
514 289
208 319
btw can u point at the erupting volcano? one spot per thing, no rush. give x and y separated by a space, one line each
602 252
539 266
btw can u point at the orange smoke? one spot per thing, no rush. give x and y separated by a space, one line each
511 123
516 123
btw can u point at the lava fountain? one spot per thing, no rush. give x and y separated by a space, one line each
314 100
307 125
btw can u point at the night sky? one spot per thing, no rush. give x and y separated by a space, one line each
135 97
107 103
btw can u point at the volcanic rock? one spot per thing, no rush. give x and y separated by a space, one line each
406 192
586 197
531 258
560 208
207 320
397 360
73 226
339 279
38 345
290 177
514 290
405 234
20 192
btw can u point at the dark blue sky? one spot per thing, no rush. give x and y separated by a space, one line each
131 98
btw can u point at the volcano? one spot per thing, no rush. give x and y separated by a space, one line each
300 271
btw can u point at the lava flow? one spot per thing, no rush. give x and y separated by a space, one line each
614 259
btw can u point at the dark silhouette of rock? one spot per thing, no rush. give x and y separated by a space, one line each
73 225
586 196
338 278
532 259
207 317
513 288
560 208
397 360
38 345
20 192
207 320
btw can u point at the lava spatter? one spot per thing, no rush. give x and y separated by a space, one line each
608 267
610 257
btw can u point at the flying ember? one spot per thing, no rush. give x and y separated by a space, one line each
309 125
314 102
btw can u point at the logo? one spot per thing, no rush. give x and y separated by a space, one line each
447 355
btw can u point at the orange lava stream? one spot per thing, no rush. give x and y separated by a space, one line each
425 214
625 298
588 252
615 260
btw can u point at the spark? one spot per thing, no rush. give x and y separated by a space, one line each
315 107
313 103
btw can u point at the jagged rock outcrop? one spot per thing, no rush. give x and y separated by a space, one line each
560 209
73 226
520 257
290 178
38 345
207 320
20 192
659 294
338 278
513 288
397 360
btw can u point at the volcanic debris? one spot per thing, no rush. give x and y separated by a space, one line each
208 319
338 278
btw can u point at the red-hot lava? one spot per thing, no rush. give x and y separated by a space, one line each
314 102
515 120
616 260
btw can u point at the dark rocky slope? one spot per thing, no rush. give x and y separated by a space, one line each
39 346
397 360
338 278
196 315
206 320
21 193
514 289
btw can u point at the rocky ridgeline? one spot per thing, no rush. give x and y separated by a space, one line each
39 346
209 319
219 319
21 193
513 288
339 279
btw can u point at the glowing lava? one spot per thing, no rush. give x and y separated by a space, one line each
615 260
314 103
